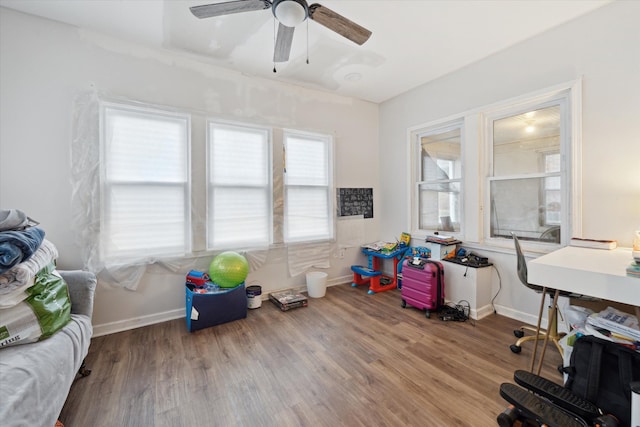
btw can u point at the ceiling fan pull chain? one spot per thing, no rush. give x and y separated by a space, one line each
274 44
307 41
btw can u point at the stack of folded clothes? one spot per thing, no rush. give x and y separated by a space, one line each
30 289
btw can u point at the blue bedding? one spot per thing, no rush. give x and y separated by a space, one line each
18 246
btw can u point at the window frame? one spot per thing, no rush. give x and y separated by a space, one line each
568 95
415 154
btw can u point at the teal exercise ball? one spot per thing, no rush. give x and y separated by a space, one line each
228 269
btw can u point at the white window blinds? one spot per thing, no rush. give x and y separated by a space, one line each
239 187
308 187
145 183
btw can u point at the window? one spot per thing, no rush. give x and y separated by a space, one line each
438 178
513 166
239 186
145 182
148 174
528 182
308 187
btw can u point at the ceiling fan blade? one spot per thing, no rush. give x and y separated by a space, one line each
339 23
283 43
229 7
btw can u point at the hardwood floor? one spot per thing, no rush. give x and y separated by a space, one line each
348 359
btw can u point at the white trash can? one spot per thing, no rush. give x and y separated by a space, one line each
316 284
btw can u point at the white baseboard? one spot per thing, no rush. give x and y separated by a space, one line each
477 313
525 318
482 312
138 322
340 280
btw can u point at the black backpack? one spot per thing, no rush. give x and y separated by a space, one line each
601 372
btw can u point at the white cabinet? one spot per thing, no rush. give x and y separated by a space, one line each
469 284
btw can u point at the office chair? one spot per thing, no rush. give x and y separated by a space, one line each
551 333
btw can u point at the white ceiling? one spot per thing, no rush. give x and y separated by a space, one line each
413 41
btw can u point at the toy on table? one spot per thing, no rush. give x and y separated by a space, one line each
419 252
372 273
405 239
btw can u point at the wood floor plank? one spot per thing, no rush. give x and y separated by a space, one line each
348 359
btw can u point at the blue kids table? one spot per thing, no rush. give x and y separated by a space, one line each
372 274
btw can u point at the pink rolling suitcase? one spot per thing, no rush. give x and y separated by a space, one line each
423 285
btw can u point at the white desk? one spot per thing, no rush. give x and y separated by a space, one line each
594 272
597 273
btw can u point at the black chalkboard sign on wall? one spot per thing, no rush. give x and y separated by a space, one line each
355 201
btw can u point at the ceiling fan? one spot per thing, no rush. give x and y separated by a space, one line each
289 13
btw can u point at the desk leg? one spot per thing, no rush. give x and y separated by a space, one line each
535 342
554 311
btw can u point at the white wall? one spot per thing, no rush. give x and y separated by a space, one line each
45 64
603 48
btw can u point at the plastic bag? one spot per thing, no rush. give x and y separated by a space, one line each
576 316
44 312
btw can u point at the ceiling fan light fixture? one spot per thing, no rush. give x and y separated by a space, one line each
353 77
530 126
290 12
